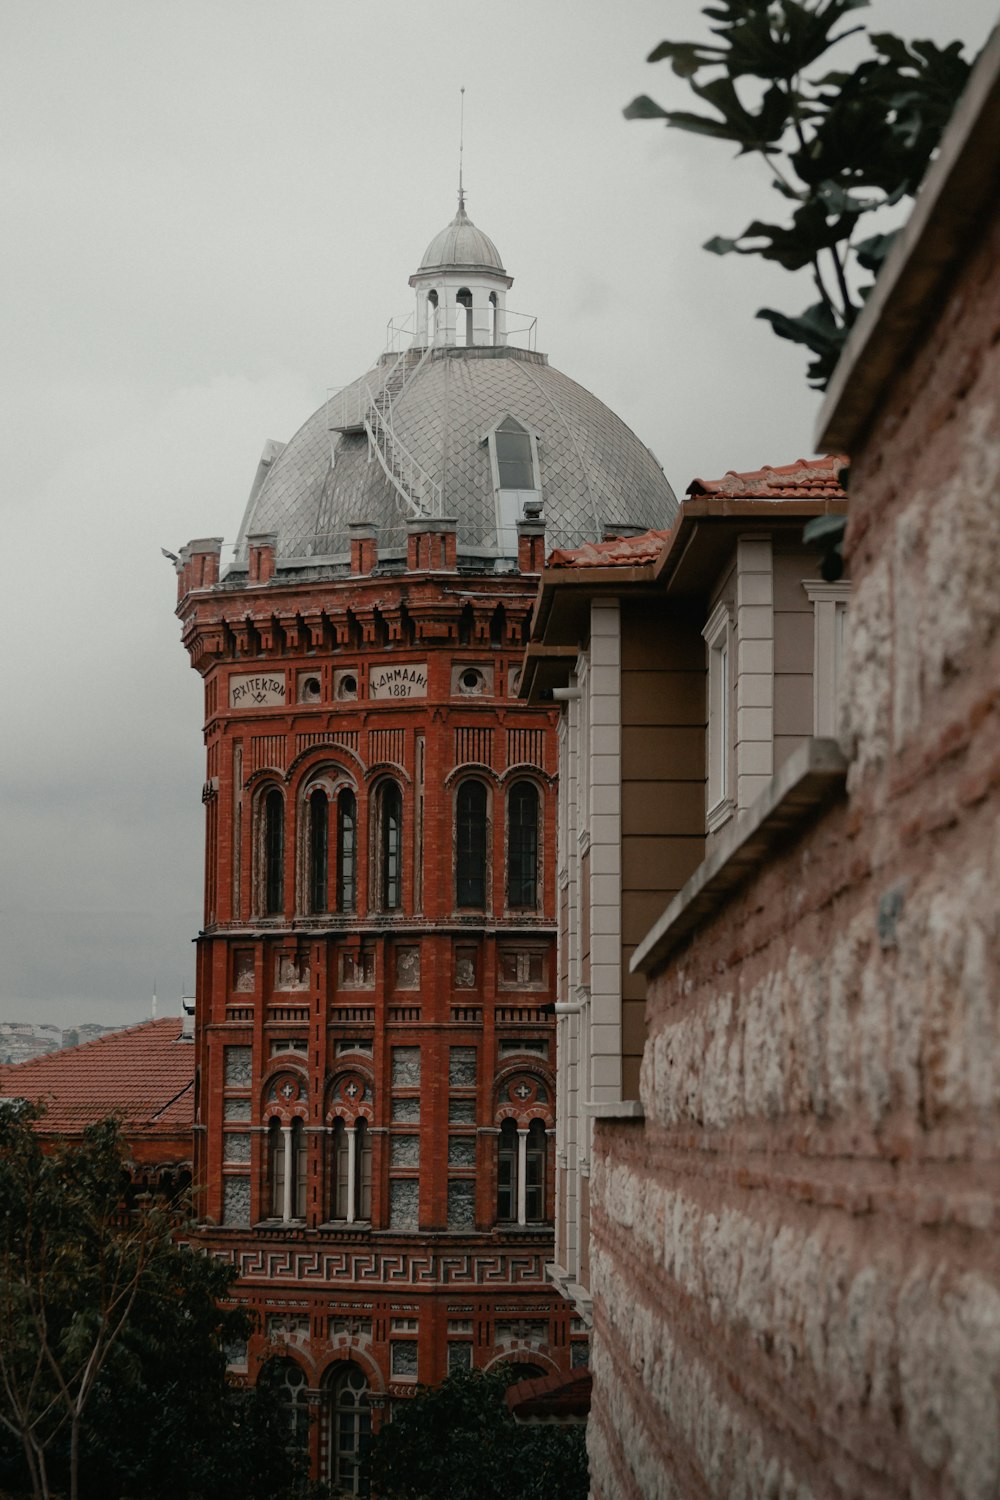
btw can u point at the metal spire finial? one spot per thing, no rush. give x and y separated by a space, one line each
461 149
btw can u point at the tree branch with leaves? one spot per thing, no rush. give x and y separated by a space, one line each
839 145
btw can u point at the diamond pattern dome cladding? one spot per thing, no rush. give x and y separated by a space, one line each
594 471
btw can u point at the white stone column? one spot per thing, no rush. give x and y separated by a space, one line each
286 1205
352 1170
522 1176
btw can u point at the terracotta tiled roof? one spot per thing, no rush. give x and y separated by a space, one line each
617 552
551 1398
805 479
144 1072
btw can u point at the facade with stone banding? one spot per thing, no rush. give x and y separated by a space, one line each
794 1268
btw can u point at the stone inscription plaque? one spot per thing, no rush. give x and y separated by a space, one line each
403 681
257 690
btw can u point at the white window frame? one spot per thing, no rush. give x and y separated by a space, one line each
829 602
718 637
510 503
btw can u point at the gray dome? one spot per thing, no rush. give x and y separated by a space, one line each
594 472
462 244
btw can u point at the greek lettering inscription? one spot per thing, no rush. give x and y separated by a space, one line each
264 690
408 681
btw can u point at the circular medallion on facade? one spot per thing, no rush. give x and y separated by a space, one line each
287 1089
522 1092
351 1088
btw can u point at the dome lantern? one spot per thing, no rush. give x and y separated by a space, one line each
461 287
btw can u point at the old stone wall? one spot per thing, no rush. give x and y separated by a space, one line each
796 1265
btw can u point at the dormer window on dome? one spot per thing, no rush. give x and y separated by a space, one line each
514 461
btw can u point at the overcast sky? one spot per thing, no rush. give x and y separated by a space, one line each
212 208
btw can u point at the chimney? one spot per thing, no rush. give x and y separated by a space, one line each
432 544
187 1021
531 539
261 548
364 547
198 565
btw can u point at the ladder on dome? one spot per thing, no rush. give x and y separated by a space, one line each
422 495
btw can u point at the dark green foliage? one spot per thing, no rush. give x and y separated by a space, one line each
112 1340
840 144
459 1439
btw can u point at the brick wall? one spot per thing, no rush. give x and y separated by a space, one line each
796 1270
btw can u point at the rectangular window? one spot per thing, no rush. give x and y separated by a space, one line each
719 800
459 1357
521 968
829 602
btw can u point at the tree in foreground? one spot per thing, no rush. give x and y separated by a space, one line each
839 145
459 1439
113 1339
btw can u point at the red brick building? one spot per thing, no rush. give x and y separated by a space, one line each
374 1112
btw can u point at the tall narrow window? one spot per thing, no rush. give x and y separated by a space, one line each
275 1170
300 1165
494 318
339 1170
718 792
364 1171
534 1173
349 1431
515 467
319 823
347 1179
288 1380
507 1173
432 308
470 851
522 846
347 821
391 846
274 853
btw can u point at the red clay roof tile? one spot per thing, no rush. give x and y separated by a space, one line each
145 1072
616 552
805 479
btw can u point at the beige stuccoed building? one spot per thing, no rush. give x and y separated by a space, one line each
690 664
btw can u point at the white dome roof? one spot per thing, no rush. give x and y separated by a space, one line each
462 244
594 473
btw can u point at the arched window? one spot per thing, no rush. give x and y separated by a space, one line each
319 823
349 1430
350 1181
522 846
274 853
507 1173
463 317
521 1173
432 308
390 846
347 824
470 845
534 1173
287 1164
493 318
288 1380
